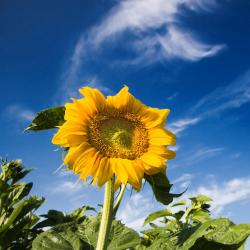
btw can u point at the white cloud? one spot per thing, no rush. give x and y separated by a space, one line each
184 180
18 113
67 187
175 43
225 193
143 20
141 16
182 124
136 210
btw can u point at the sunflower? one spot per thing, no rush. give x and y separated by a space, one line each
115 135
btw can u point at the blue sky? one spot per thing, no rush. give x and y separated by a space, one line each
191 56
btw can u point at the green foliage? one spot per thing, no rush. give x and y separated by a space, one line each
193 229
47 119
181 229
54 217
16 208
161 188
83 235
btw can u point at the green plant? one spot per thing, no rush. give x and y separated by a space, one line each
193 229
17 218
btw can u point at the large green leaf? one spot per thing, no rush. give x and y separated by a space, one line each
161 188
48 119
74 236
61 237
122 237
219 233
225 232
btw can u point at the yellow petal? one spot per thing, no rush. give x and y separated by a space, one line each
97 99
121 99
88 164
152 117
105 172
119 170
68 134
153 159
124 100
150 170
78 111
160 136
75 152
135 173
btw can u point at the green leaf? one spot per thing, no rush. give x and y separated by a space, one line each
13 216
122 237
228 234
73 236
48 119
161 188
200 216
219 233
201 199
156 215
19 191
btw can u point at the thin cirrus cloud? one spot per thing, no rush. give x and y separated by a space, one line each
18 113
182 124
196 155
231 96
156 33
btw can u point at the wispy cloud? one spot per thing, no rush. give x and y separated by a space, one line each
143 17
202 154
155 33
182 124
18 113
231 96
67 187
225 193
196 155
184 180
173 96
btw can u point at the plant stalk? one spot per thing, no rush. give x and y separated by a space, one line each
107 216
119 198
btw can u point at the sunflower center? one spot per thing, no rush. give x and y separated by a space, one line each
118 135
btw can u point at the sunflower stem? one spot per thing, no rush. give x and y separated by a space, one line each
107 216
118 200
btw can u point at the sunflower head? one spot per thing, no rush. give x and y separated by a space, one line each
114 135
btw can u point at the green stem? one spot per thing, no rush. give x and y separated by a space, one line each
107 216
118 200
